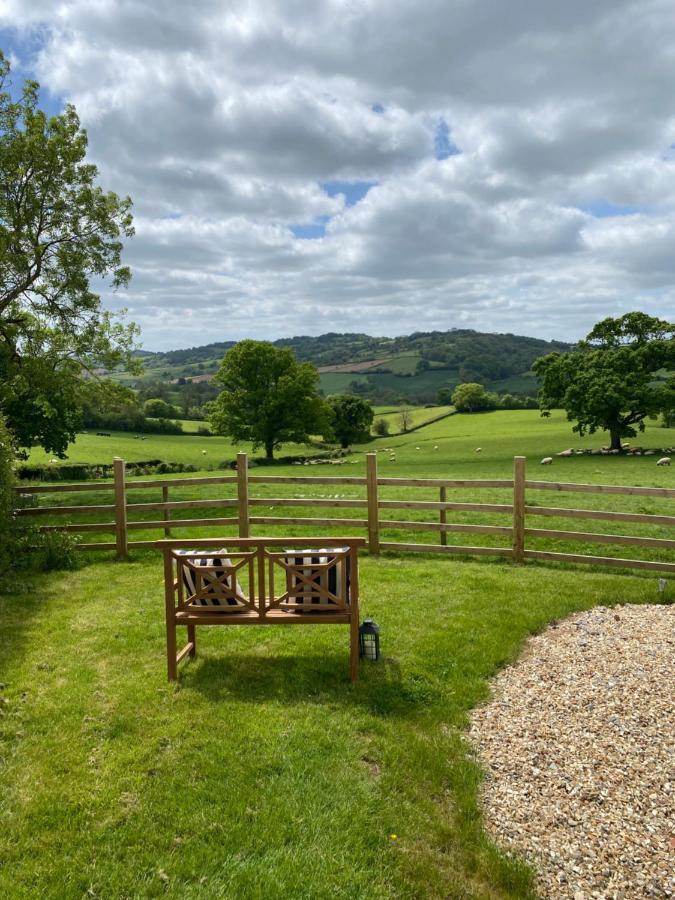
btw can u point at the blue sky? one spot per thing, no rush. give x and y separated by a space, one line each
303 168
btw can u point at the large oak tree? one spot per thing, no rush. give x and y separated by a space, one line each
268 397
614 379
59 232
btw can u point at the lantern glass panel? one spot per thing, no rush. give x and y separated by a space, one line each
369 639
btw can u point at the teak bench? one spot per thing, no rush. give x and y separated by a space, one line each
259 581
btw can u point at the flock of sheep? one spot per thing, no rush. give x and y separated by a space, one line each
663 461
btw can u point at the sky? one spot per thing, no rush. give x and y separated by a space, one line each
381 166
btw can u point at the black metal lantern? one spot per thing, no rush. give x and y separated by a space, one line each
369 640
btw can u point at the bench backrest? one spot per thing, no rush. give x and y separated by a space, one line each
233 575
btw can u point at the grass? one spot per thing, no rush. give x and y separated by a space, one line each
264 773
446 448
184 448
418 415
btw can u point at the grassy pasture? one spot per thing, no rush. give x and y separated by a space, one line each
444 449
418 415
183 448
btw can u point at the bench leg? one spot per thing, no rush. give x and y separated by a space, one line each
192 638
354 647
172 665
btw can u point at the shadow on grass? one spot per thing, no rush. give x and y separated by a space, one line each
18 610
382 688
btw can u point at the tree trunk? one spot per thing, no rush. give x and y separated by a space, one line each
269 449
616 439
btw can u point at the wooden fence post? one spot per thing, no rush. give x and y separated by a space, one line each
167 512
518 508
121 539
443 514
373 512
242 494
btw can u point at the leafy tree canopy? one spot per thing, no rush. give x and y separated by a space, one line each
268 398
156 408
610 380
472 397
351 418
58 232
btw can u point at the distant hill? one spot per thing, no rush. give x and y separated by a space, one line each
386 370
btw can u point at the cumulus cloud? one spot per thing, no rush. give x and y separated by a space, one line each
371 165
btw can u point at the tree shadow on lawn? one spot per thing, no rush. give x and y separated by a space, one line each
382 688
18 609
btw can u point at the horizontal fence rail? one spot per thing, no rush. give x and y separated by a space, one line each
376 515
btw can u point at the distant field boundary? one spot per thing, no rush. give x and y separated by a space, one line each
371 507
445 415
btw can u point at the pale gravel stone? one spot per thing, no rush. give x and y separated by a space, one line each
578 747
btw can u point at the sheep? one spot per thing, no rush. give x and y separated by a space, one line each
546 461
204 452
479 450
664 461
436 447
569 452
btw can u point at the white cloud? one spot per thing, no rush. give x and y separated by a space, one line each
222 122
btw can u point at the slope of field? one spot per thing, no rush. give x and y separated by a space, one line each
418 416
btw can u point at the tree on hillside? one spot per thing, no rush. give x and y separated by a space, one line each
58 231
608 381
381 427
472 397
155 408
351 418
268 398
405 416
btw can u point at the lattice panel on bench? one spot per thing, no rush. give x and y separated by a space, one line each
316 580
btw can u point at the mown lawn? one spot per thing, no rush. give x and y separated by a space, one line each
264 773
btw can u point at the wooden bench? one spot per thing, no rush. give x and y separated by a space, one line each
259 581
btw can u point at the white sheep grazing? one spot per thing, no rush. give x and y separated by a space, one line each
204 452
546 461
436 447
664 461
479 449
569 452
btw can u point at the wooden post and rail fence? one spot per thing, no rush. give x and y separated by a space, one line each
516 532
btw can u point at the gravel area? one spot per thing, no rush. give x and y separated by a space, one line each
578 744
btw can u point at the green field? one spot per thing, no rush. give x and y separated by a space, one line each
264 773
446 448
195 449
419 415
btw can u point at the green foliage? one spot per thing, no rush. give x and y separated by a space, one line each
49 551
157 408
351 418
413 366
7 501
472 397
381 427
112 406
268 398
58 231
608 381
